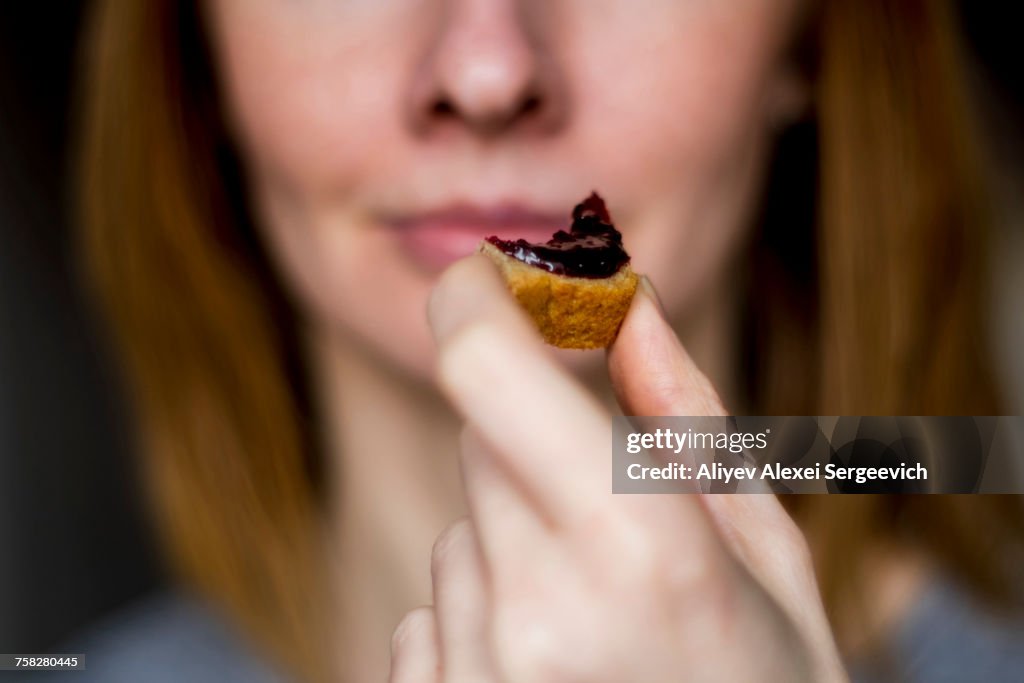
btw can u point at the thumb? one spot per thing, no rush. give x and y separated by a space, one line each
650 370
654 376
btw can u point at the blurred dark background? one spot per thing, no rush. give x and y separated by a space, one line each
73 541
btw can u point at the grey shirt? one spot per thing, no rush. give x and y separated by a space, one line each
170 638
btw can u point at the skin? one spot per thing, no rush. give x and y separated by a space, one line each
301 78
348 113
550 581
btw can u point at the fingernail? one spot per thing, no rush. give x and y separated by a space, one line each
648 289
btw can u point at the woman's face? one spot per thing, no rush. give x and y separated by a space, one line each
385 138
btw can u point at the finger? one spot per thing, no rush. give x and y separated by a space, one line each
550 437
472 290
539 421
653 375
651 372
764 538
510 533
415 653
460 599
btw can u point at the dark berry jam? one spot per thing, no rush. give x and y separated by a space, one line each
592 247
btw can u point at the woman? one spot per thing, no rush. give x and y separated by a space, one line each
270 191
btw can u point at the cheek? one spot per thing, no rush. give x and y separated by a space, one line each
348 282
686 143
313 102
309 90
666 119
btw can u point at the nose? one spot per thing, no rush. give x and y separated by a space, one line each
486 72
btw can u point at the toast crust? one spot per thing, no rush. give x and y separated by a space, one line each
570 312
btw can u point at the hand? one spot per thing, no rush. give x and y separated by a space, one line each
553 578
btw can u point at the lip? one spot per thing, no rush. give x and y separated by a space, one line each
436 238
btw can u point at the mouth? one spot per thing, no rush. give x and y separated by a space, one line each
436 238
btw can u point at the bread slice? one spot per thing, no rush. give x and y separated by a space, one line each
570 312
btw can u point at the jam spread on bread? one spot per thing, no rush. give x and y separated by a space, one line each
577 286
592 248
